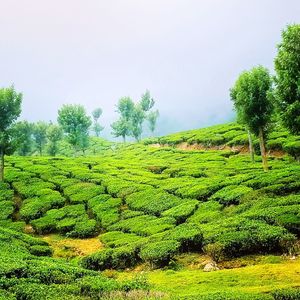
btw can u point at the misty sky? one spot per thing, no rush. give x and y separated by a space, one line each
188 53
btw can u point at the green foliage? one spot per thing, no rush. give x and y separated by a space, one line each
23 137
121 128
54 135
159 253
293 148
117 238
288 78
10 110
76 124
137 119
133 115
96 115
98 261
251 97
231 194
34 208
286 294
189 235
40 250
152 201
40 135
138 195
26 274
182 211
71 220
7 209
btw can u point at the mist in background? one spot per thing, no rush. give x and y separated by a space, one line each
188 53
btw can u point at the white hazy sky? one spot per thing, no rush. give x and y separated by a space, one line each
188 53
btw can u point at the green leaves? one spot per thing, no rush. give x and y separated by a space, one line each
133 115
75 123
251 95
287 67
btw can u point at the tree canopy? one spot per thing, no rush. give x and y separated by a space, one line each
75 123
287 80
10 110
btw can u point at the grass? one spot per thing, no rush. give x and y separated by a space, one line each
70 247
261 278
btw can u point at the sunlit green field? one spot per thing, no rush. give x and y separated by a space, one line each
157 212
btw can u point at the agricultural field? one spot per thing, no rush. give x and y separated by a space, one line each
142 221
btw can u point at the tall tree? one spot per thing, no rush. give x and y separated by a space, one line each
252 99
125 107
10 110
147 102
239 111
137 119
287 80
40 135
23 137
75 123
152 119
96 126
133 115
122 127
54 135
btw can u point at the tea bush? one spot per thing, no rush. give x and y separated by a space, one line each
182 211
159 253
230 194
152 201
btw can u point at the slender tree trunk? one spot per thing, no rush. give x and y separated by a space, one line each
1 164
251 149
124 139
263 150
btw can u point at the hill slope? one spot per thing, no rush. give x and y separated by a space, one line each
148 205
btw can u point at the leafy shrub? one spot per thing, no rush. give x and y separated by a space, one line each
159 253
201 191
144 225
215 251
32 187
252 237
117 238
152 201
6 194
189 236
124 257
40 250
127 214
34 208
82 192
230 194
293 148
91 285
83 229
286 294
7 209
182 211
71 220
100 260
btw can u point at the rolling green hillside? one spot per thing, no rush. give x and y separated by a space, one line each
226 136
150 206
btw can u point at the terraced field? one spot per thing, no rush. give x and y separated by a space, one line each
147 206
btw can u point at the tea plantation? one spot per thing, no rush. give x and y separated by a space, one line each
149 206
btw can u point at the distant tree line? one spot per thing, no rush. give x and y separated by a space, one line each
73 125
260 99
132 116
